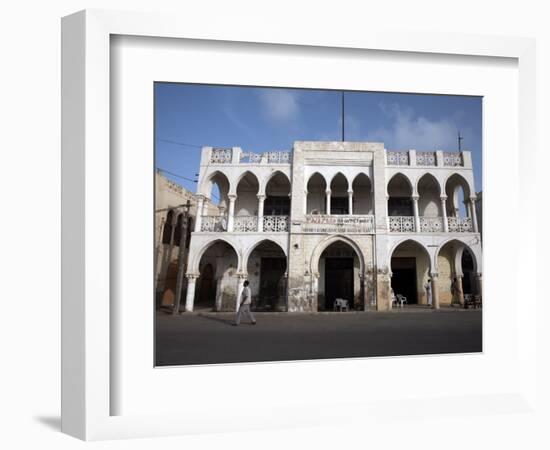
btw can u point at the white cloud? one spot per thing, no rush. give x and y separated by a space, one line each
410 131
280 105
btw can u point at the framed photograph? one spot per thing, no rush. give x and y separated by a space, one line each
315 220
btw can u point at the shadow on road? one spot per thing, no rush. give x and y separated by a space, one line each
218 319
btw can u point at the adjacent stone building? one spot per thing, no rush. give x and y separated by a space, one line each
330 220
171 202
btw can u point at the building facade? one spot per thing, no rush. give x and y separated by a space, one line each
330 220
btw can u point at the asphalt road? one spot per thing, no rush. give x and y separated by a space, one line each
211 338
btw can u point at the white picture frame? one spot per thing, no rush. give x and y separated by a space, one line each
87 384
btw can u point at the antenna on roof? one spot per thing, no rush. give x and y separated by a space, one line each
459 141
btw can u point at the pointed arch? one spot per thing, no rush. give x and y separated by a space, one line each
321 246
193 265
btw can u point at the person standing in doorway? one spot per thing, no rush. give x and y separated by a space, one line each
428 287
244 306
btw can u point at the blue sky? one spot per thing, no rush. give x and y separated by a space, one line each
189 116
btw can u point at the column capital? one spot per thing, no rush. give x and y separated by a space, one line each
232 197
459 275
479 275
415 197
261 197
443 198
434 274
328 191
473 198
350 191
192 276
242 275
200 197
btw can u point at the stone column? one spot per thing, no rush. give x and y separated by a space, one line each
460 290
435 291
474 214
261 199
328 193
444 210
240 277
362 292
198 216
350 202
415 212
479 281
190 298
383 290
231 212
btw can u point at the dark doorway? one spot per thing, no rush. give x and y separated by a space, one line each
403 280
206 297
338 281
468 282
272 285
339 205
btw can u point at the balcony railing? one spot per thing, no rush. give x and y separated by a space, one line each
245 224
213 223
275 157
402 224
460 224
275 224
431 224
321 223
405 224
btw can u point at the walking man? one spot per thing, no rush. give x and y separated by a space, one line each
244 306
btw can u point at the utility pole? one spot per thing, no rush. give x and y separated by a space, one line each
459 141
181 255
343 118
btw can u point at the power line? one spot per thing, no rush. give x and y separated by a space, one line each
179 143
176 175
184 178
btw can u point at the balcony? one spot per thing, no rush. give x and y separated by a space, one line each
412 158
245 224
406 224
321 223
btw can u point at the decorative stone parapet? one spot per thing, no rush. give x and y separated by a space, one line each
321 223
402 224
274 224
426 159
397 158
460 224
274 157
245 224
221 155
453 159
431 224
213 223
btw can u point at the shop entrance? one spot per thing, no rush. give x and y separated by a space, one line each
403 280
338 281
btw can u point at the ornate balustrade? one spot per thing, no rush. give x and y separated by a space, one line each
245 224
431 224
402 224
275 224
320 223
426 159
397 158
213 223
275 157
453 159
460 224
221 156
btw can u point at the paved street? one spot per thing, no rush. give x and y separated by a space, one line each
211 338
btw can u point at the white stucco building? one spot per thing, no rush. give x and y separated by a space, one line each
334 220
